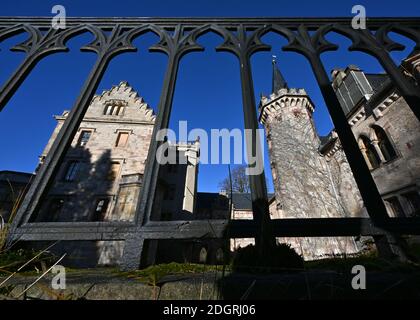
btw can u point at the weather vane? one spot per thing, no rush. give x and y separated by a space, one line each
274 58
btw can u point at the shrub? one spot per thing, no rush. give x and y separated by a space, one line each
282 258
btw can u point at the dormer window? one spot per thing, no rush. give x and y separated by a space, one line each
114 107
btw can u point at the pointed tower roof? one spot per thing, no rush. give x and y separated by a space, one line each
278 79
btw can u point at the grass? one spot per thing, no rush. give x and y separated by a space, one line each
153 274
5 226
370 261
12 260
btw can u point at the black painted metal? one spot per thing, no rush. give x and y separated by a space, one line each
177 38
243 46
215 229
379 45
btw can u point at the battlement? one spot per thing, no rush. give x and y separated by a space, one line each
270 106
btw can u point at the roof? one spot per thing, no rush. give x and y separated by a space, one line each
243 201
15 176
377 81
209 200
240 201
326 141
278 79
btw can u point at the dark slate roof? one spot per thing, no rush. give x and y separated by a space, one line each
242 201
209 200
15 176
278 79
377 81
326 141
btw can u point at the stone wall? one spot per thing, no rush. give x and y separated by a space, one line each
303 179
402 128
99 154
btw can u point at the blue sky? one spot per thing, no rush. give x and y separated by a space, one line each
208 89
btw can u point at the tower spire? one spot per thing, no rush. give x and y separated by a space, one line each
278 79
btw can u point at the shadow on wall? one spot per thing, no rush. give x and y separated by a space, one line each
79 186
84 189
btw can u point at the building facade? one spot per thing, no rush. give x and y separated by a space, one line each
311 175
388 136
100 177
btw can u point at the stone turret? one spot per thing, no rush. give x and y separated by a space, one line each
304 184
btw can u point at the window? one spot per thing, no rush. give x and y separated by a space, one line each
122 139
101 208
114 170
55 208
114 108
384 144
72 171
371 154
395 207
413 201
84 138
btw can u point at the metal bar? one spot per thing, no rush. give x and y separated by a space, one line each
37 46
311 22
378 46
134 234
151 171
46 173
322 227
388 245
264 238
367 186
13 83
133 248
410 93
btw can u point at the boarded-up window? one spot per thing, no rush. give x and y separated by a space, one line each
114 170
122 139
126 202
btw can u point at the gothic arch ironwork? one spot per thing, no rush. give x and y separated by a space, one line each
178 37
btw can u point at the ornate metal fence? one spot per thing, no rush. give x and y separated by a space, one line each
242 37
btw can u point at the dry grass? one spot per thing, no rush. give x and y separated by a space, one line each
5 225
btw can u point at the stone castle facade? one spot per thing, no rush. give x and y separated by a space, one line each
311 175
100 178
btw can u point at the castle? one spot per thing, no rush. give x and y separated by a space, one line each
100 177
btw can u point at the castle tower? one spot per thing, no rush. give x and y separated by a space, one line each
304 184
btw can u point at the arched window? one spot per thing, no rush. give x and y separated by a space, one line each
370 152
384 144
